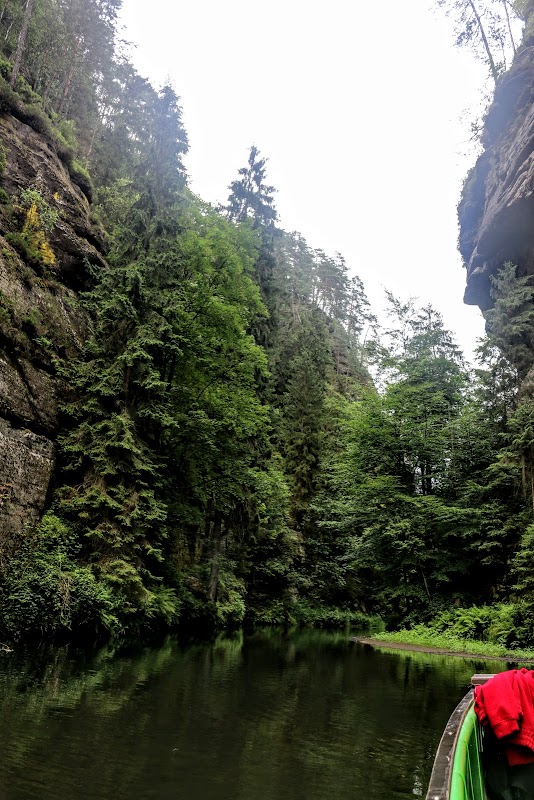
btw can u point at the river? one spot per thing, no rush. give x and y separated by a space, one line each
270 716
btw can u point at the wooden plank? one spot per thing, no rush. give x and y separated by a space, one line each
479 679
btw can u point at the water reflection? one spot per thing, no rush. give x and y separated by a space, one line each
262 717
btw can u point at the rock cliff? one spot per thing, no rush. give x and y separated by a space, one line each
496 212
38 318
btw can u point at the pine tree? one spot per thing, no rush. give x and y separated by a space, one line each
250 196
251 202
485 27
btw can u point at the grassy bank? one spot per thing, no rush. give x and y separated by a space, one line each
422 636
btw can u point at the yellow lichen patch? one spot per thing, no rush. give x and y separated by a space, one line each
47 254
33 232
32 221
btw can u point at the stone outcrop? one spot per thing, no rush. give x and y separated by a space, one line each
496 212
27 465
38 318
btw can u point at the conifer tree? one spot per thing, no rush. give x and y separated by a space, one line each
250 196
510 321
302 379
485 27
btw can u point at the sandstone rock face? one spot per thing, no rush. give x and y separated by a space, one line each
38 318
26 468
496 212
32 164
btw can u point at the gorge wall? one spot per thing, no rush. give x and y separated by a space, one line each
496 212
38 318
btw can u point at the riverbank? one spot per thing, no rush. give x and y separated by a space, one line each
446 646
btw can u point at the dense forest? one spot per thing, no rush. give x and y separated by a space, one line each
241 442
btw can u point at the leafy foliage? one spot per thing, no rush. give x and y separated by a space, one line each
46 590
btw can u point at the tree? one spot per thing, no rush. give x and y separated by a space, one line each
301 388
507 7
294 269
251 202
21 41
425 392
389 519
485 27
510 321
161 144
168 459
250 196
89 36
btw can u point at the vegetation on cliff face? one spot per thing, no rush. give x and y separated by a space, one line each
224 453
487 27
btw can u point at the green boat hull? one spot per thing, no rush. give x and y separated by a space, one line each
457 772
467 780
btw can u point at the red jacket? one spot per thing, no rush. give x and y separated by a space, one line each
506 705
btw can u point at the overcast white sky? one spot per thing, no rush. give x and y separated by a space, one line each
359 106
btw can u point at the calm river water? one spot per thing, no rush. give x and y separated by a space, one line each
306 716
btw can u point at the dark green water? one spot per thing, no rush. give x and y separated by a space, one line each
311 716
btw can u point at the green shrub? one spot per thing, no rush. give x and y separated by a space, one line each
230 605
7 311
468 623
32 114
45 591
48 216
3 159
496 624
164 606
66 128
81 178
231 611
523 618
319 616
38 220
25 91
271 612
23 247
6 68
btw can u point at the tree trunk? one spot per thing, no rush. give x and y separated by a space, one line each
405 582
21 42
6 37
69 76
505 4
217 549
170 375
493 68
421 570
91 145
